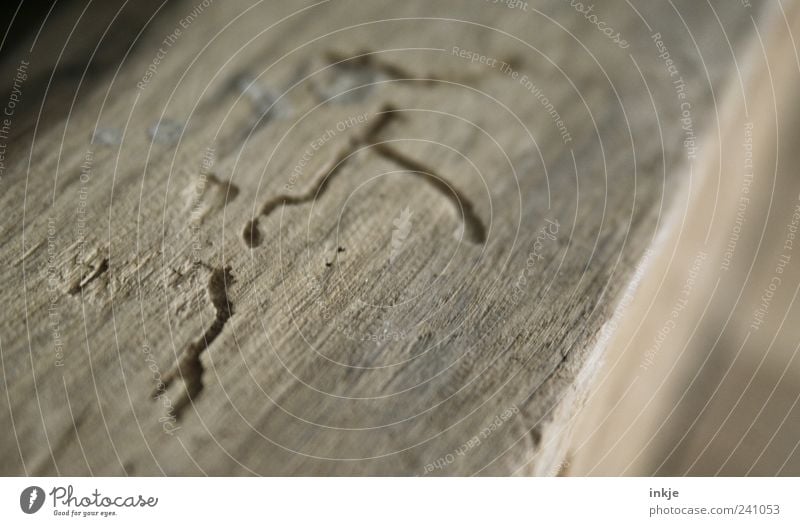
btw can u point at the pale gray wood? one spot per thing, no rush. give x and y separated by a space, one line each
252 311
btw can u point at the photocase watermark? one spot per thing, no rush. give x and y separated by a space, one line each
679 85
588 13
315 145
472 443
744 199
510 4
169 41
169 420
83 196
675 313
14 98
760 313
537 92
401 231
54 293
523 80
197 207
546 233
66 502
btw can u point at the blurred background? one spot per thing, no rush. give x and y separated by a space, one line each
701 374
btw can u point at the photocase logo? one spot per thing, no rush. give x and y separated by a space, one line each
31 499
402 227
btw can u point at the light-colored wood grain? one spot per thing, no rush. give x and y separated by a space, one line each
367 315
715 390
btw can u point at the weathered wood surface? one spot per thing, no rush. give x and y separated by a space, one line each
315 264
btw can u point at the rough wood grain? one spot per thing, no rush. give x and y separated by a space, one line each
319 239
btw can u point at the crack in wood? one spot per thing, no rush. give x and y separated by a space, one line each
189 367
473 225
95 273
